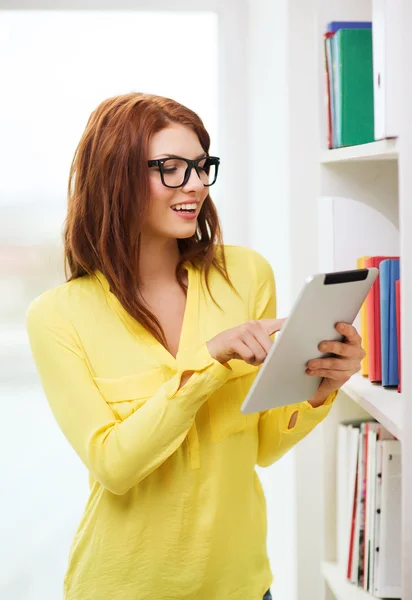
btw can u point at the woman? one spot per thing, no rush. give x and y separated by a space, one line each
145 355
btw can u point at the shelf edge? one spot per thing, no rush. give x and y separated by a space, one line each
373 151
353 389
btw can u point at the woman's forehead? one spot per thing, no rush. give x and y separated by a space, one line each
177 140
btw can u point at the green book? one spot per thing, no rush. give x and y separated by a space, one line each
353 86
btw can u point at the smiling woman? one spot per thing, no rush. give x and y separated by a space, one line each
146 354
118 168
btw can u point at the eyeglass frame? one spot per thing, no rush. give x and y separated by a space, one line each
191 164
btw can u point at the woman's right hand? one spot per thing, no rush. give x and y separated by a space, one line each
249 342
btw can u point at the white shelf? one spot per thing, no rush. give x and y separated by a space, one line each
341 588
372 180
380 150
385 405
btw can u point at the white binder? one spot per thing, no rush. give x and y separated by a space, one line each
387 571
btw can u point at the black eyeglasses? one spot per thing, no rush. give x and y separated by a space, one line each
175 171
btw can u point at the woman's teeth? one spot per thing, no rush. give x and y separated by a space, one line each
178 207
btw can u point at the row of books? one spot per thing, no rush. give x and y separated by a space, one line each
349 81
369 507
380 323
362 77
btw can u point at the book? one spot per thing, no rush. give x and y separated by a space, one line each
358 499
334 26
330 73
329 87
360 510
374 322
389 273
363 324
372 438
398 328
347 508
353 86
336 92
388 525
371 432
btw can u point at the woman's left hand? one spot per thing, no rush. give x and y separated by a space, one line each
338 369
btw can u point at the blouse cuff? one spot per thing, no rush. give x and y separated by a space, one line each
306 413
199 359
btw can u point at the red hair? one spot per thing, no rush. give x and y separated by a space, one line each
108 197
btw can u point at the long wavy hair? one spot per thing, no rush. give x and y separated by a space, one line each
108 198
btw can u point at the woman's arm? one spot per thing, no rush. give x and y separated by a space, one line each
277 437
280 428
118 454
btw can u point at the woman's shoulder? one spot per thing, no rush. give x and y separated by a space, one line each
242 259
56 304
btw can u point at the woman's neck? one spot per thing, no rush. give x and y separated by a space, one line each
158 261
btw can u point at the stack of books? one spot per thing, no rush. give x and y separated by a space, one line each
363 81
380 323
349 83
369 507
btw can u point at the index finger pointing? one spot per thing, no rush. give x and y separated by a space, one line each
272 325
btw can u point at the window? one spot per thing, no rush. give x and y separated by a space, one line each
56 67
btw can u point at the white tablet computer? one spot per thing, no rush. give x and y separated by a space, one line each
325 300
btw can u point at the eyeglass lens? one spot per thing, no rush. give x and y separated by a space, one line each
174 171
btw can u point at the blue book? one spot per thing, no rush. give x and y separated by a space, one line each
334 26
388 273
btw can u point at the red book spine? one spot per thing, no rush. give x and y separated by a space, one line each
352 530
373 315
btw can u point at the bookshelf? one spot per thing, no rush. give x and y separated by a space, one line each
375 179
383 405
341 589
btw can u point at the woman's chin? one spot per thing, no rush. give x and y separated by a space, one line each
186 236
187 231
184 231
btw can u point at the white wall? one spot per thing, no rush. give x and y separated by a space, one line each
269 210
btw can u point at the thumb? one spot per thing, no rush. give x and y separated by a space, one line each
272 325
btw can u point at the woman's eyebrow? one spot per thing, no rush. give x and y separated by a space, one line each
179 156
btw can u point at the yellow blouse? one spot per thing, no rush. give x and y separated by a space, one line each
176 510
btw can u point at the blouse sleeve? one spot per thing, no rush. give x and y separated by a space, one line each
275 438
